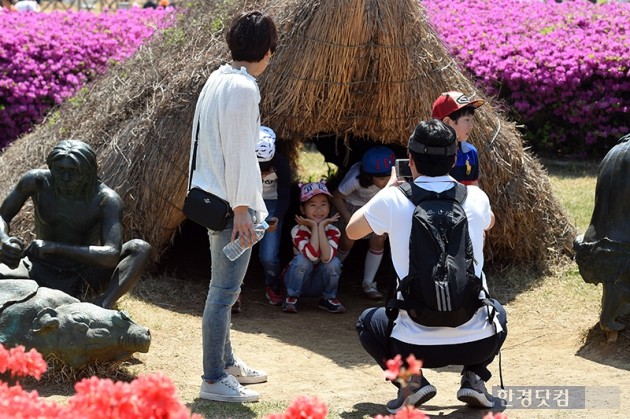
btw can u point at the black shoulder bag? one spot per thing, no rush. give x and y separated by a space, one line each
203 207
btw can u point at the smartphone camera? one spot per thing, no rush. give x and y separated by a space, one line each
403 170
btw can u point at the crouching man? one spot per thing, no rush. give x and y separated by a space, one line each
472 342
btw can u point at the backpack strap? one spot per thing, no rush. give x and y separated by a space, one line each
416 194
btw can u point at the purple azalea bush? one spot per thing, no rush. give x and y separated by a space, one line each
46 58
564 68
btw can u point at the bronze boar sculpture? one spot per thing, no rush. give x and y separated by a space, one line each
602 253
55 323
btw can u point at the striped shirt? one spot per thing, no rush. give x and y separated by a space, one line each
301 237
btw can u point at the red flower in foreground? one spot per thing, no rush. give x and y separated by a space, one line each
407 412
304 407
413 365
22 363
149 396
393 368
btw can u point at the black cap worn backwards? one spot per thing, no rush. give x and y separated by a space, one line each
436 151
433 137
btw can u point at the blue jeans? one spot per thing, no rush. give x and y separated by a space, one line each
269 250
312 280
225 286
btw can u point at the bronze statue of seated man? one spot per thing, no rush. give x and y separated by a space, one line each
78 229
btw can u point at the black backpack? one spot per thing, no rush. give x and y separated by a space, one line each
441 288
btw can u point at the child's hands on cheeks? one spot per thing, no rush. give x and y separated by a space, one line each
329 220
311 224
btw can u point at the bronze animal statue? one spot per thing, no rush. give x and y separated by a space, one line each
55 323
602 253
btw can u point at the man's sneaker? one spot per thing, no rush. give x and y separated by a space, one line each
473 391
331 305
290 305
417 392
371 293
227 389
245 374
275 298
237 306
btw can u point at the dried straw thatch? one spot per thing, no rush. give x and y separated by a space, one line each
366 68
371 69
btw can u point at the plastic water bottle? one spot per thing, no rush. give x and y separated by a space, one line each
234 249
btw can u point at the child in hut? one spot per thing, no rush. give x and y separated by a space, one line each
359 185
457 110
276 179
315 269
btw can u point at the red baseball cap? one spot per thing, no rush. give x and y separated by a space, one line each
450 102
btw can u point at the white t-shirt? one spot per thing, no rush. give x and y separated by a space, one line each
270 185
391 212
352 191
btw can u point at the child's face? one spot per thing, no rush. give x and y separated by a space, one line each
463 126
317 208
380 181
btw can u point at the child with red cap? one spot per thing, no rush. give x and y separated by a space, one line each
315 269
458 110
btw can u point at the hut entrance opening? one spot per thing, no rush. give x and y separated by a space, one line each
189 257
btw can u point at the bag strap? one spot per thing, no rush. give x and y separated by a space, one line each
417 194
193 163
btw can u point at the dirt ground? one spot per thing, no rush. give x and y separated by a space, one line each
553 340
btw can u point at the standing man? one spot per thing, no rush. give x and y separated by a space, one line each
432 152
227 120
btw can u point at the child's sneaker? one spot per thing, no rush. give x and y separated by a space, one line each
274 298
371 293
331 305
290 305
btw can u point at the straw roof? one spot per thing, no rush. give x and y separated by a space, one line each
371 69
365 68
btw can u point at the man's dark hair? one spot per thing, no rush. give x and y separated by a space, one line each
432 147
251 35
466 110
85 159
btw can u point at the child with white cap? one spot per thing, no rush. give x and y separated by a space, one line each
276 179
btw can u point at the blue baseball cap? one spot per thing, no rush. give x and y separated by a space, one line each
378 161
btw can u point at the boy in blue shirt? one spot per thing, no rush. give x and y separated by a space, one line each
457 110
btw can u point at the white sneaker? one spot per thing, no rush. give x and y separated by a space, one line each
227 389
371 293
245 374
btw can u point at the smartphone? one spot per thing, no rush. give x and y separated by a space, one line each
403 170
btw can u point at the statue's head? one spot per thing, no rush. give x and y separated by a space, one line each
73 167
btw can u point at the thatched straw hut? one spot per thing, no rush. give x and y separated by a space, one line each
360 68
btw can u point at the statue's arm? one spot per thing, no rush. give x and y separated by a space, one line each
13 203
11 247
